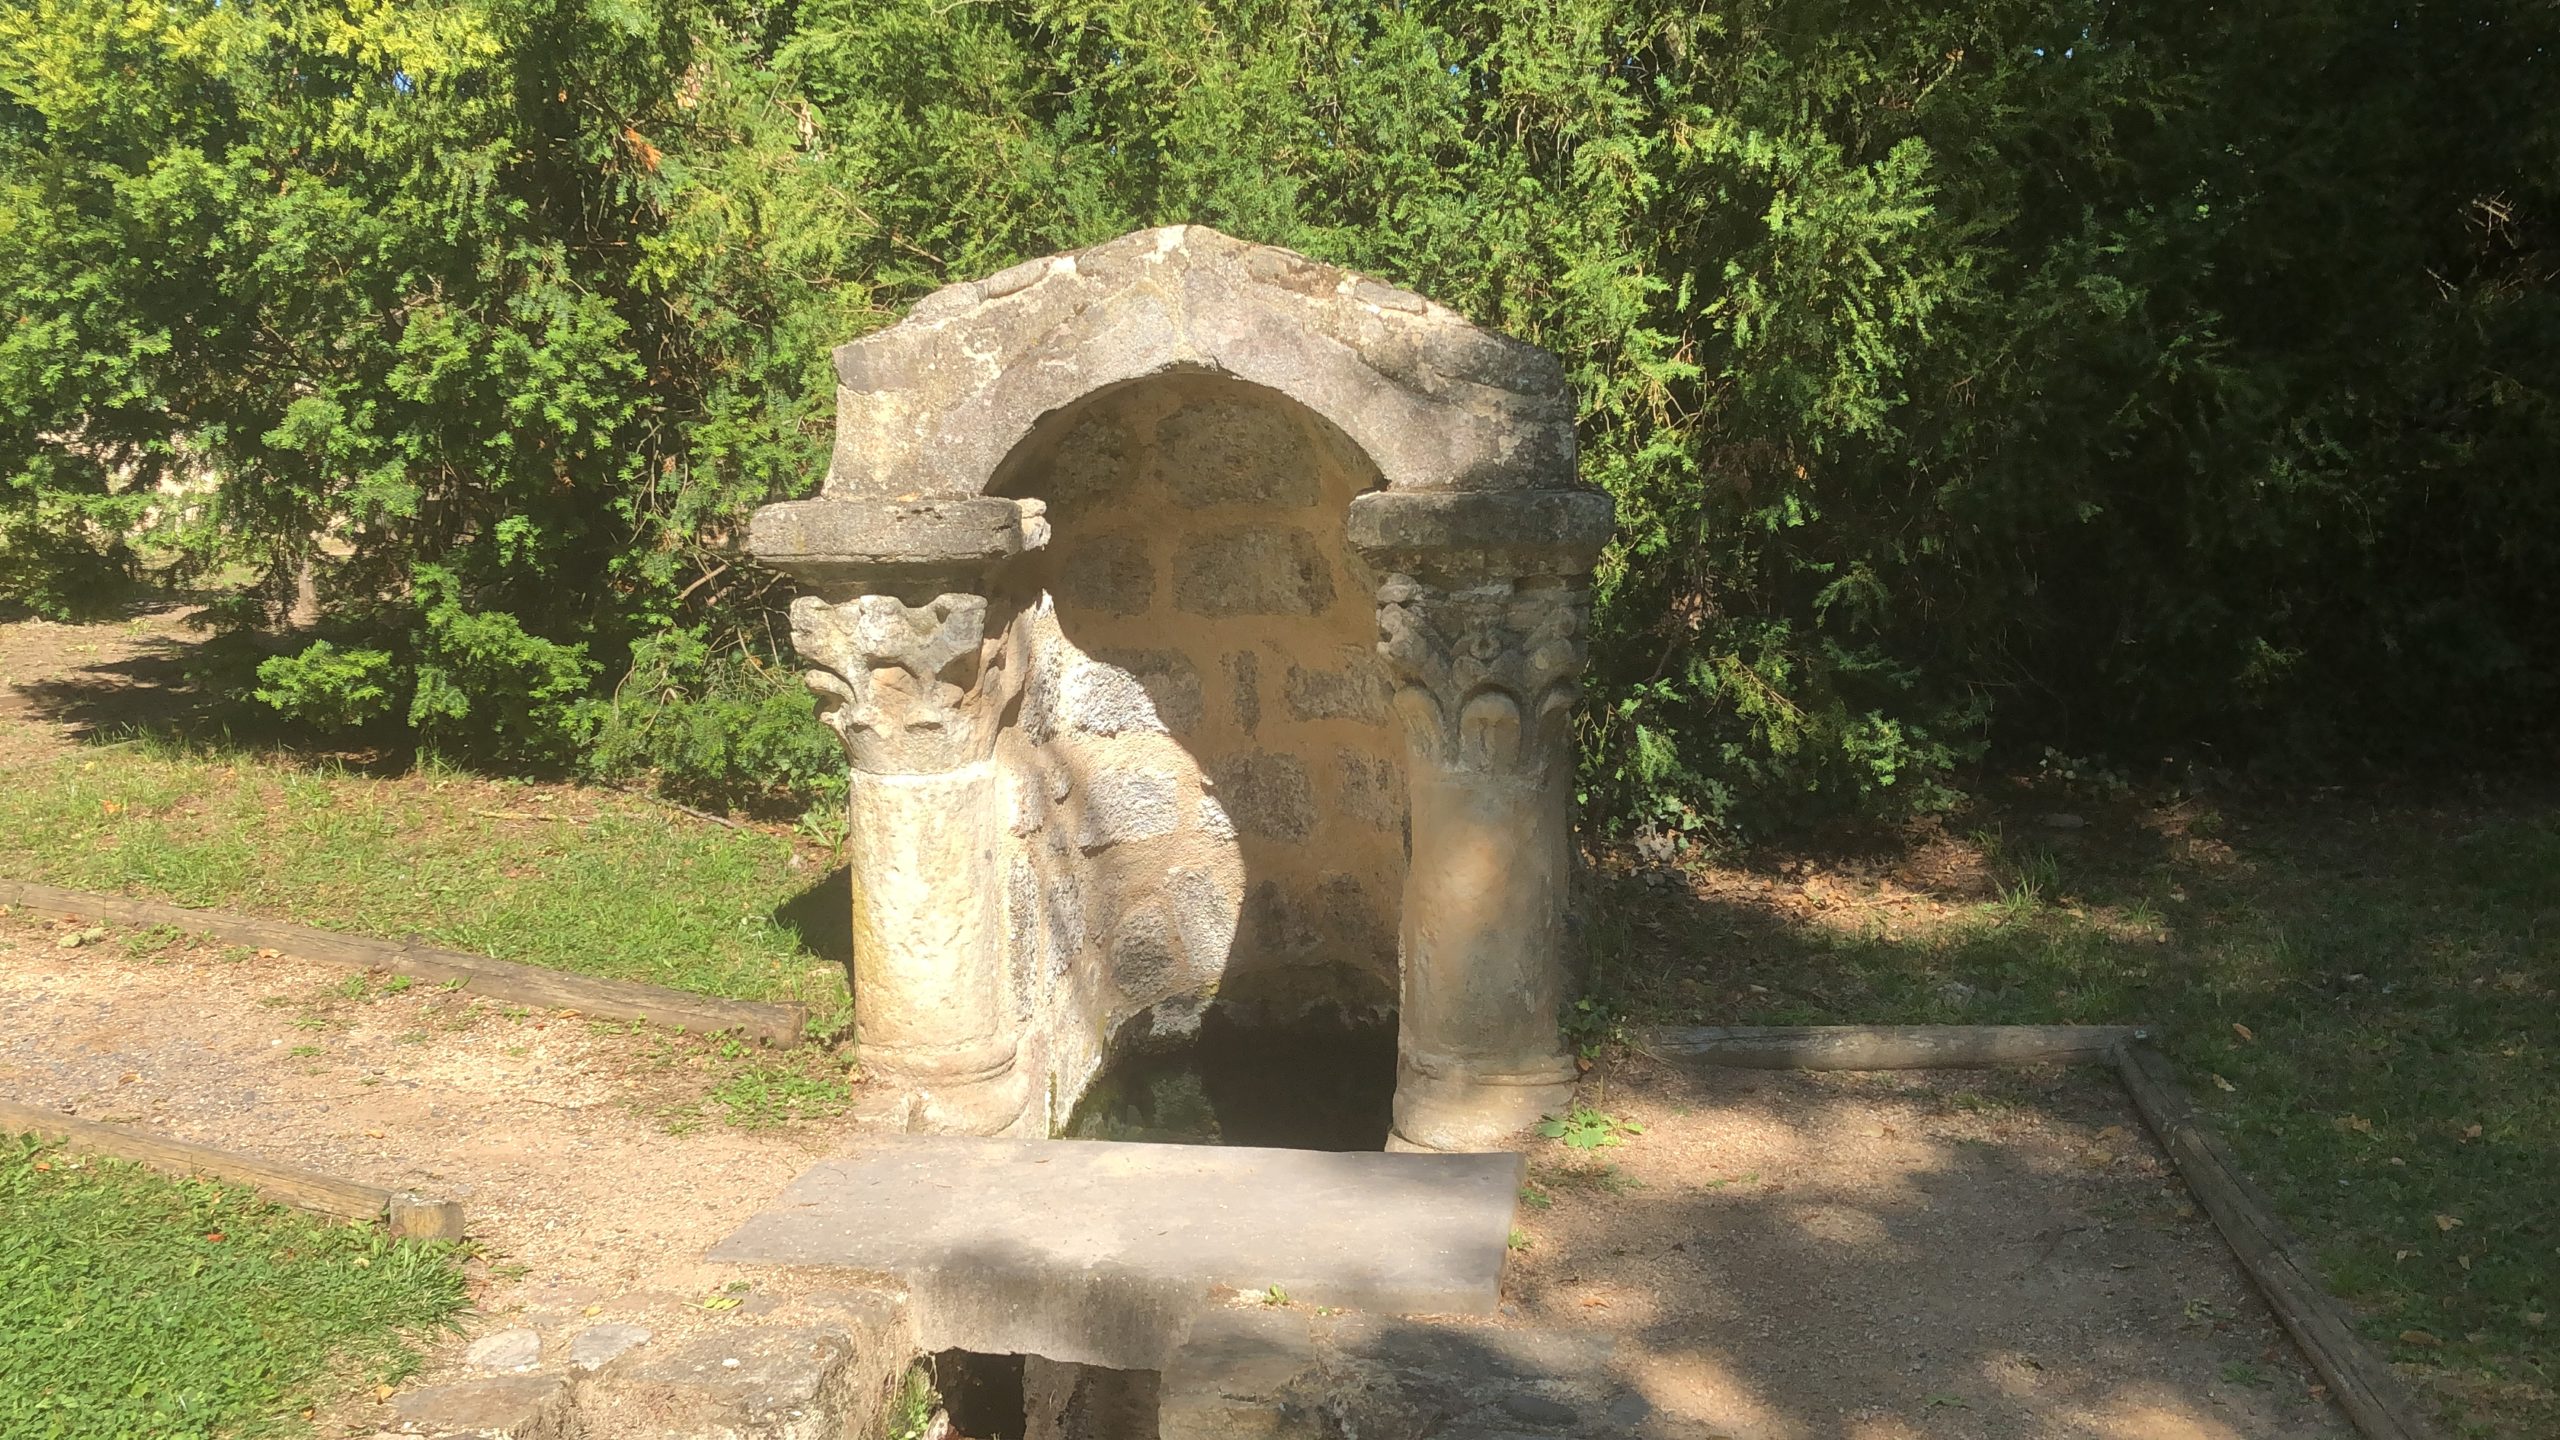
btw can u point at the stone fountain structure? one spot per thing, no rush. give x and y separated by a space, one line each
1203 625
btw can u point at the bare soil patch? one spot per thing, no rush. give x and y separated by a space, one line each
1973 1256
590 1170
63 683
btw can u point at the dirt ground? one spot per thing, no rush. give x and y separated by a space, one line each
1780 1257
1968 1255
587 1177
60 683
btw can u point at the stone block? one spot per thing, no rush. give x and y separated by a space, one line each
1125 692
1099 1254
1106 573
1360 932
1121 806
1357 690
1090 465
1204 915
751 1382
1145 953
1026 798
1233 451
1064 932
1252 570
1263 1374
1370 789
1214 821
1277 921
489 1407
1267 795
1100 699
1534 531
1244 680
840 537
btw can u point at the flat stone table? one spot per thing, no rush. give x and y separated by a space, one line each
1098 1253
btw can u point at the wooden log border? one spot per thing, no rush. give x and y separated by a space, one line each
1884 1047
2362 1383
2275 1259
407 1214
781 1025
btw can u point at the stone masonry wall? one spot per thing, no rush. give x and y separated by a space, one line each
1205 794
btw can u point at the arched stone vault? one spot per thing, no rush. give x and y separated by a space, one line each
937 640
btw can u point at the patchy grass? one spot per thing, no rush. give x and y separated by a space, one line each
136 1305
2366 999
570 877
760 1096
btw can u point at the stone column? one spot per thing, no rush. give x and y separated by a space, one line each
1482 614
916 664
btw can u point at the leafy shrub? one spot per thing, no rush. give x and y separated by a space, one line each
330 689
717 728
62 560
482 685
1997 373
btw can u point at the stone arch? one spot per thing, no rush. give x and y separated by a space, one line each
935 626
1205 751
935 403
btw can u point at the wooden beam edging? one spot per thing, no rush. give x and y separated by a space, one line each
1884 1047
780 1025
2283 1268
408 1215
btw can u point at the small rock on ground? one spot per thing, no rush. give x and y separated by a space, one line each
507 1350
598 1344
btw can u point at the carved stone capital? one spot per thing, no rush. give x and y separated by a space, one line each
909 689
1487 673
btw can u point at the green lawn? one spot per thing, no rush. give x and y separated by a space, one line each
2367 999
136 1305
572 877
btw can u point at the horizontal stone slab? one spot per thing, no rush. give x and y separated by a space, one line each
1558 530
1099 1253
841 540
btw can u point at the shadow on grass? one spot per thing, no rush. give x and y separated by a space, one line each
2365 995
149 677
156 670
821 918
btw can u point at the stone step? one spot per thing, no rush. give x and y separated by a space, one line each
1099 1253
817 1366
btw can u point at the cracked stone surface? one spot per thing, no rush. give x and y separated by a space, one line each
1098 1254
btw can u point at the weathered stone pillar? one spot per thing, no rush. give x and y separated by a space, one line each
916 665
1482 614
